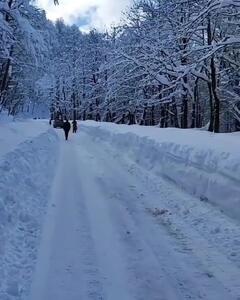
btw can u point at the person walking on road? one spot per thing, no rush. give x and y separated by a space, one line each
74 126
66 128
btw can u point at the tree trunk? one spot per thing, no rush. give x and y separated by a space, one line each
211 116
216 126
74 107
213 84
185 81
152 116
166 115
193 125
184 123
175 112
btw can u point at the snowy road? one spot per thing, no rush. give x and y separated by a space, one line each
108 235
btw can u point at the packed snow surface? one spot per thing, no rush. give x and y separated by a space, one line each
101 216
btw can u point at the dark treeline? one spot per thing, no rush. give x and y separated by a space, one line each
172 64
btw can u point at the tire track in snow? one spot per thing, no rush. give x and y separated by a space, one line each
104 244
188 270
67 268
147 271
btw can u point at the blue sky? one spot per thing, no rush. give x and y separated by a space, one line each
86 14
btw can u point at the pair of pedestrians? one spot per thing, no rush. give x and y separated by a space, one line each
67 127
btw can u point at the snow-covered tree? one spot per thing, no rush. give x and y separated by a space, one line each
173 63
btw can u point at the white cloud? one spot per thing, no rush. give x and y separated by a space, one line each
86 13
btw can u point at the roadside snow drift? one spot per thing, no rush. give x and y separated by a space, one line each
25 178
202 163
12 133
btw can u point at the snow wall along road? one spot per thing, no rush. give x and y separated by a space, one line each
26 177
190 159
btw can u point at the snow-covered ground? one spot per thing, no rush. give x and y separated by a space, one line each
28 155
202 163
12 133
120 222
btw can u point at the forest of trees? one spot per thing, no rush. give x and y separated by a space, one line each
173 63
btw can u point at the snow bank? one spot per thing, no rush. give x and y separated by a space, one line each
25 178
203 164
13 133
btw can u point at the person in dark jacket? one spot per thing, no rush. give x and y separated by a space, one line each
66 128
74 126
